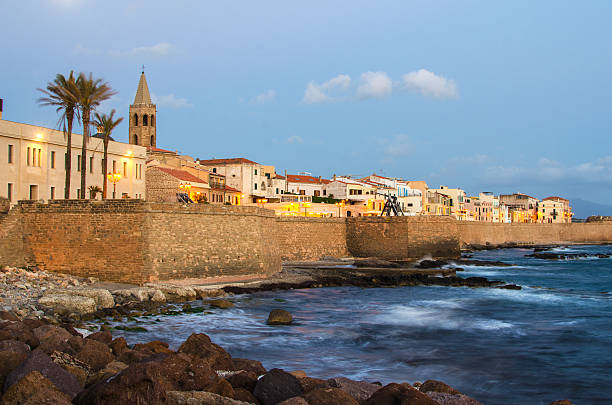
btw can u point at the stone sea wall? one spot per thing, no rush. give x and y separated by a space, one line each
311 238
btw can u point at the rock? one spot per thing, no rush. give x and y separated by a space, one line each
430 264
249 365
294 401
310 384
102 336
148 382
279 317
39 361
444 398
223 304
118 346
111 369
136 294
199 345
203 291
53 338
298 373
155 346
158 296
276 386
562 402
200 398
20 332
243 379
9 361
65 304
510 287
329 396
8 316
176 292
242 394
34 389
360 390
72 365
374 262
102 297
393 393
437 386
14 346
95 354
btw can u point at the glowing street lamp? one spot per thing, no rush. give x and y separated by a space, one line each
306 205
185 187
114 178
339 205
262 201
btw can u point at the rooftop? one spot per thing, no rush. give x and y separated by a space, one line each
230 161
298 178
180 174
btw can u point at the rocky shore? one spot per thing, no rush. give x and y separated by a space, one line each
42 363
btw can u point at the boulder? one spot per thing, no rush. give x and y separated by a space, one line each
310 384
9 361
242 394
562 401
113 368
199 345
14 346
204 291
243 379
34 389
95 354
20 332
294 401
444 398
118 346
393 393
175 292
437 386
200 398
329 396
102 297
158 296
65 304
72 365
279 317
222 304
39 361
155 346
249 365
103 336
53 338
431 264
137 294
276 386
360 390
8 316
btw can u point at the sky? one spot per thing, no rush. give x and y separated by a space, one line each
499 96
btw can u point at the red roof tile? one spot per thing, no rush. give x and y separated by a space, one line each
231 161
555 198
180 174
154 149
298 178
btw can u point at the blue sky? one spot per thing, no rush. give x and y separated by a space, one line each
488 96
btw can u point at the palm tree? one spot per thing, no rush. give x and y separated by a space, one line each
106 124
91 93
62 93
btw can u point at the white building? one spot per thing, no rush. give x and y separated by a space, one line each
306 185
32 164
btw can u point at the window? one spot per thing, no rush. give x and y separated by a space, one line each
277 191
102 166
214 170
135 139
53 160
152 120
114 166
9 192
255 172
33 192
10 153
145 120
324 192
152 140
78 193
52 194
29 161
255 186
91 164
78 163
39 158
135 120
124 169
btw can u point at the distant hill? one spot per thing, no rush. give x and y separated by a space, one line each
583 209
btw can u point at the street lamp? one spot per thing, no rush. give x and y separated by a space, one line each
339 205
113 178
262 201
185 187
306 205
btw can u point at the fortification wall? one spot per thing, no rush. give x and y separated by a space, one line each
402 238
481 233
308 239
13 250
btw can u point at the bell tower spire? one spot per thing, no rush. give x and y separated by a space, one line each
143 116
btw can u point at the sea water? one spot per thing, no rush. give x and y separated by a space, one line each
551 340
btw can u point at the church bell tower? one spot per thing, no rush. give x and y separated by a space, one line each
142 116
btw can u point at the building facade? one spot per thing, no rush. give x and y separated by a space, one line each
143 116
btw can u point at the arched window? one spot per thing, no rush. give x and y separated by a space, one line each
152 120
145 120
135 139
152 140
135 120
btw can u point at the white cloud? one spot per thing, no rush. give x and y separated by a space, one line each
265 97
429 84
374 85
295 139
171 101
325 92
85 51
157 50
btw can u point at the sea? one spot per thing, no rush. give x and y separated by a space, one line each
550 340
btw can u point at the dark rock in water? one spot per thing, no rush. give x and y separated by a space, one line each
14 346
562 402
222 304
437 386
154 346
200 398
374 262
444 398
277 386
279 317
329 396
360 390
199 345
253 366
476 262
9 361
393 394
39 361
118 346
431 264
34 388
103 337
510 287
243 379
567 256
95 354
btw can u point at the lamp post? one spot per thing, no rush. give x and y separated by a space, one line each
339 205
305 205
185 187
114 178
261 202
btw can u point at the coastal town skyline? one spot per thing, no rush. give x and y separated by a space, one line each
425 117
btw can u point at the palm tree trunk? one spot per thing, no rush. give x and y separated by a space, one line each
104 168
84 153
68 160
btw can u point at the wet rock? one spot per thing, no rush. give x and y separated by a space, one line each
249 365
562 402
65 304
102 336
277 386
95 354
175 292
20 332
39 361
279 317
393 393
9 361
14 346
437 386
199 345
222 304
200 398
158 296
374 262
360 390
34 389
203 291
310 384
111 369
155 346
118 346
102 297
294 401
443 398
431 264
139 294
243 379
329 396
8 316
510 287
